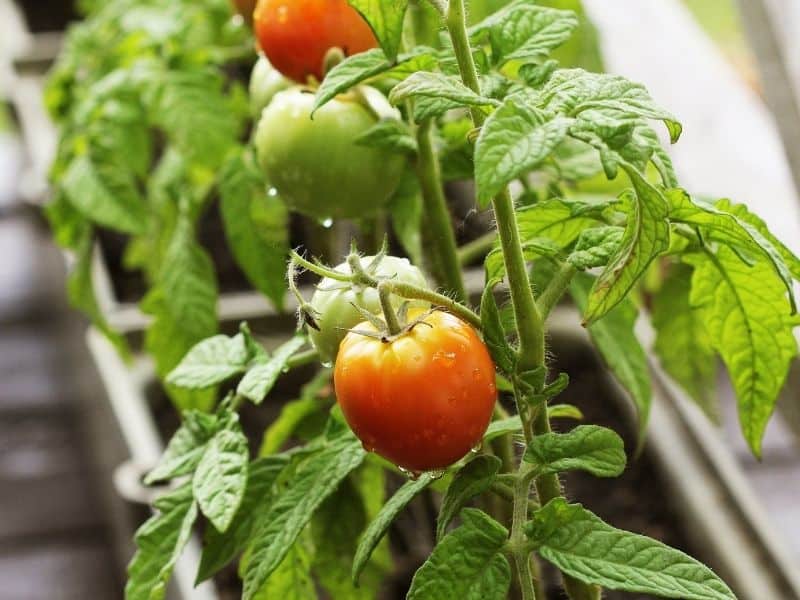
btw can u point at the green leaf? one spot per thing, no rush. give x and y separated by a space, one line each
647 235
191 107
755 222
747 315
564 411
160 541
493 332
598 450
261 377
515 139
513 425
682 342
184 304
210 362
335 527
364 65
572 91
314 480
385 17
471 480
525 31
81 294
389 134
560 220
185 448
221 548
256 226
106 195
717 225
447 91
292 580
380 525
294 412
584 547
221 477
468 563
616 341
595 247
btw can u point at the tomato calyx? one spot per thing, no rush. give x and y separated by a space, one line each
382 331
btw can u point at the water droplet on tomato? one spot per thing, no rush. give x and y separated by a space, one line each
437 473
476 374
447 359
451 400
492 387
441 440
417 357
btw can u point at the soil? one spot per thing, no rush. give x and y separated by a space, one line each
638 501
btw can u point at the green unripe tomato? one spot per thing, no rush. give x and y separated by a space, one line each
316 165
333 302
265 82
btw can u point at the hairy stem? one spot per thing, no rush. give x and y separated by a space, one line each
529 321
477 248
392 323
555 289
412 292
521 553
436 212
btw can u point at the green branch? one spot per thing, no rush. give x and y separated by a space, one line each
436 212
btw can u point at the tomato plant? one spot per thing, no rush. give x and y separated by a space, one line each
265 82
318 166
152 132
297 34
336 308
421 400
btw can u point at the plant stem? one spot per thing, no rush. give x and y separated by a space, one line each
302 358
555 289
517 540
436 212
412 292
530 325
392 323
529 321
477 248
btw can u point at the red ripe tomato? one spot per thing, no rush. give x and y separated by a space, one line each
296 34
421 400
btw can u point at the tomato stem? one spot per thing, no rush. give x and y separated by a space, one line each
437 213
412 292
518 541
555 289
389 315
318 269
529 321
477 248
